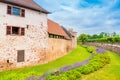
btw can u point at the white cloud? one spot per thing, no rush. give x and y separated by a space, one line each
91 19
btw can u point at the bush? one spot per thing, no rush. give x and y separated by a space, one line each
69 75
60 77
73 74
95 63
114 39
86 69
52 78
91 49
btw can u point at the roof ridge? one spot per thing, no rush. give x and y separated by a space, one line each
55 28
54 22
39 5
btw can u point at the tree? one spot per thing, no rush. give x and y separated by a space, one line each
102 34
90 36
95 36
114 34
83 38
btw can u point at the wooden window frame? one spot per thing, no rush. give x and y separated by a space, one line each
22 12
10 11
22 31
9 30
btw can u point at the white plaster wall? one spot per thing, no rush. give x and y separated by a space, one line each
35 39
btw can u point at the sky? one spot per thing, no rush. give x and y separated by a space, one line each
85 16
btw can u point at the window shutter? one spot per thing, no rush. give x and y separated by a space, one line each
22 31
9 9
20 56
8 30
22 12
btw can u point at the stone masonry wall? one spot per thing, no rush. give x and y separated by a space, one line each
34 42
58 48
112 47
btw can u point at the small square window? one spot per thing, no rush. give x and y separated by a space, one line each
10 30
15 30
16 11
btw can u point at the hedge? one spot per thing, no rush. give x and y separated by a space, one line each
95 63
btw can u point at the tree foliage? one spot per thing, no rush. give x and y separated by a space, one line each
102 37
83 38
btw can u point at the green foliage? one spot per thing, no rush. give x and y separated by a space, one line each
86 69
102 37
74 73
69 75
77 55
95 63
91 49
108 72
85 46
114 39
83 38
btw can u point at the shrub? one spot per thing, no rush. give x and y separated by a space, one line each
69 75
52 78
91 49
77 74
95 63
73 74
60 77
86 69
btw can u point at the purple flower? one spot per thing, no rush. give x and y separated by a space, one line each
41 78
100 50
80 64
65 68
31 78
76 65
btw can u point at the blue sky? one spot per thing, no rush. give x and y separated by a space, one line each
85 16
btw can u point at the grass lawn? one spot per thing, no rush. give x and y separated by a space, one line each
109 72
77 55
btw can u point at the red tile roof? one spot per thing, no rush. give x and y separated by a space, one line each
55 28
26 3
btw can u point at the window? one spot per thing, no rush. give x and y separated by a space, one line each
15 30
11 30
56 36
50 35
20 55
16 11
